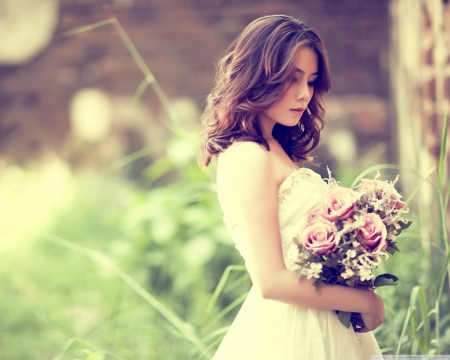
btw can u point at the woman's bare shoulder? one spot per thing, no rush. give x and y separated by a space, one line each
243 165
244 153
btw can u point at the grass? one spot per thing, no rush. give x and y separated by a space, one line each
97 292
97 268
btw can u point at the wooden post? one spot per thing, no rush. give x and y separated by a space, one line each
420 95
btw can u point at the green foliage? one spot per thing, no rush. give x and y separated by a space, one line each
417 310
130 270
146 272
385 280
134 280
344 318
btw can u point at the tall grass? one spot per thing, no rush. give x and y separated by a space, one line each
422 324
187 216
421 327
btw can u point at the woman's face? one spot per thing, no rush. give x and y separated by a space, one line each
288 110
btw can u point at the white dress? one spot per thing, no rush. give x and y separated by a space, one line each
271 330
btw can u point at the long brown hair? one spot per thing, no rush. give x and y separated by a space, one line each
254 74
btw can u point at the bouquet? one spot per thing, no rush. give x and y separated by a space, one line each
348 234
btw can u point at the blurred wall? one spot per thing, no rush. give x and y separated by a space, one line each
180 40
420 78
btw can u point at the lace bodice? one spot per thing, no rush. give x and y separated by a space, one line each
298 193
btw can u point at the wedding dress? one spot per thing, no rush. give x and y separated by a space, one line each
271 330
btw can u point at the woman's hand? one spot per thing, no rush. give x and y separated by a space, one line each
373 317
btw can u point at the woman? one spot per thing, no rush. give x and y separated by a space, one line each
264 115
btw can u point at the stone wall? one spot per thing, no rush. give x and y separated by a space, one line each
180 40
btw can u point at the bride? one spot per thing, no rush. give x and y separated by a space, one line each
262 118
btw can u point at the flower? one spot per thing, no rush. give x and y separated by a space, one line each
345 236
339 203
378 186
315 269
315 213
395 199
373 233
383 189
351 253
348 273
319 238
365 274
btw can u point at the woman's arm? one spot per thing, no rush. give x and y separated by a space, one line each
246 173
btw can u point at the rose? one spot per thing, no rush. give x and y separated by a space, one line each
315 214
319 238
339 203
373 233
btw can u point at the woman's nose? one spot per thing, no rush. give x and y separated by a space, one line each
303 91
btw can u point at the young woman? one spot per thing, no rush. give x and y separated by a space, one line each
264 115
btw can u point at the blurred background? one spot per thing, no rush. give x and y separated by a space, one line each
112 244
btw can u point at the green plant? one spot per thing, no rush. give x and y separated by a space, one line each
143 275
415 323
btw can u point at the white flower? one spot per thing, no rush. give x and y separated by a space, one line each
351 253
366 261
314 270
355 244
365 274
347 274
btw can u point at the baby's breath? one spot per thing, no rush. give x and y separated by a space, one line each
355 255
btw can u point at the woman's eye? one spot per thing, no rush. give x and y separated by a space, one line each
311 83
294 79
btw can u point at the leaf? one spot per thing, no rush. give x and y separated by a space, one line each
351 282
368 283
443 153
94 355
86 28
403 226
318 284
392 248
331 262
220 286
386 280
344 318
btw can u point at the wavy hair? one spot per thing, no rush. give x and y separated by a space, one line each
253 75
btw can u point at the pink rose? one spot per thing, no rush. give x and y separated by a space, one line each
373 233
319 238
315 214
339 203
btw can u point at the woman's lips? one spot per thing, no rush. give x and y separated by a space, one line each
298 111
